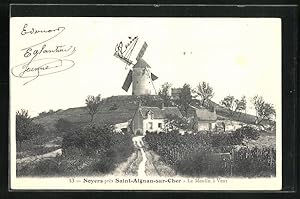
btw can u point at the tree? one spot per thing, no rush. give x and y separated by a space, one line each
234 105
174 122
264 110
164 94
205 92
240 105
228 103
185 98
92 104
25 127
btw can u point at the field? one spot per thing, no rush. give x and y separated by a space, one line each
113 110
214 155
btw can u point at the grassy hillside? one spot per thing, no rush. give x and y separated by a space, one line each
115 109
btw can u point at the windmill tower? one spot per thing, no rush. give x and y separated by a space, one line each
139 75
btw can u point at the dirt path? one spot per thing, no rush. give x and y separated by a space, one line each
143 163
52 154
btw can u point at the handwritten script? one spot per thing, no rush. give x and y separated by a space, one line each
43 58
124 52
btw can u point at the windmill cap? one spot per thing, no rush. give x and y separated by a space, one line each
141 64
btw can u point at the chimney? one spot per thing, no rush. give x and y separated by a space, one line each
214 109
162 105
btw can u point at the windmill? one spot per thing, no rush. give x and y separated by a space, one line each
139 75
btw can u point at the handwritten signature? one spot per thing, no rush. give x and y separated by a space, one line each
36 63
124 51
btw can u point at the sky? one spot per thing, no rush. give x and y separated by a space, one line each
236 56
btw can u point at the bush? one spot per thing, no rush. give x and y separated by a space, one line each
235 138
254 162
98 149
25 127
90 138
46 168
114 107
195 164
105 165
193 154
63 125
248 132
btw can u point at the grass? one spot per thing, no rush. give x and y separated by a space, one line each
38 145
89 150
117 109
113 110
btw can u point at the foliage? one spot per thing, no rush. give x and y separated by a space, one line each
114 107
248 132
63 125
185 99
25 127
264 110
205 92
234 105
240 105
174 122
48 167
165 95
236 137
88 138
92 104
228 102
146 100
254 162
202 154
105 147
50 112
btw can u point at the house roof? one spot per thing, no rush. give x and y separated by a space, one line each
176 90
204 114
159 113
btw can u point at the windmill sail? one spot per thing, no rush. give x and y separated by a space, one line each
153 77
127 81
124 59
142 51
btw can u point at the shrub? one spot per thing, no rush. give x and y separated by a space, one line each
46 168
90 138
195 164
105 165
254 162
114 107
101 147
63 125
192 154
235 138
25 127
248 132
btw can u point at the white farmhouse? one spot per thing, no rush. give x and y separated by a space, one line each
151 119
203 119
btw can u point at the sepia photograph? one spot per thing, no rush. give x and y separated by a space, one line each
129 103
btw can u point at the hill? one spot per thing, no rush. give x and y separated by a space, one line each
118 109
113 110
243 117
